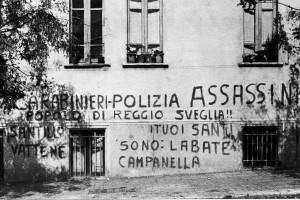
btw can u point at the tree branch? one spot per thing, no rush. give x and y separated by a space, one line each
293 8
17 68
16 19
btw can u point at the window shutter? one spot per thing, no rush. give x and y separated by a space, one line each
153 23
266 13
249 32
135 22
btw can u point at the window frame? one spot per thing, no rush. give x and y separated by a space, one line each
143 53
86 165
87 60
254 30
259 21
144 24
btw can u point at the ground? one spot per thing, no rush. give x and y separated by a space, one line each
238 184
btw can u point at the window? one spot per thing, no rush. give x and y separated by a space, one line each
260 31
86 31
145 33
260 146
87 155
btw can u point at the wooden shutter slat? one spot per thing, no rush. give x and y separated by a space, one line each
153 28
264 22
267 25
135 28
249 28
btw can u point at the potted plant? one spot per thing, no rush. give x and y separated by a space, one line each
259 56
141 58
249 57
140 55
75 58
158 56
149 56
76 55
131 54
273 44
101 59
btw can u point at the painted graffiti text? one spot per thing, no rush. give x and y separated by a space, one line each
28 150
202 114
137 115
85 102
159 162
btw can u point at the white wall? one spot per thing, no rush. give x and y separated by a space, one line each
203 44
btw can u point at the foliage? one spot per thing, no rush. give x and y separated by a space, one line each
278 40
290 42
254 57
248 4
294 18
293 46
29 31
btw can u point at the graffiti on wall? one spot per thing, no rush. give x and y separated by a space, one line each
178 146
47 107
202 103
31 141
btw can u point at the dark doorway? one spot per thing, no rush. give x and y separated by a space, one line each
87 152
260 146
1 157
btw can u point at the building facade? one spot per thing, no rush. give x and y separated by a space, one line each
155 87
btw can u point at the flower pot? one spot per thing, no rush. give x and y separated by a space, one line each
75 59
101 59
158 58
131 57
148 59
141 58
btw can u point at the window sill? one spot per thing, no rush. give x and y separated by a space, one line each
86 66
145 65
260 64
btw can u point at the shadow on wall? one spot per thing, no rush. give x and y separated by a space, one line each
289 147
20 168
38 152
288 133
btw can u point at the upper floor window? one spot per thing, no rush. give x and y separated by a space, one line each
260 31
145 31
86 31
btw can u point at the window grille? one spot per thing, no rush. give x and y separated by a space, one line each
260 146
87 153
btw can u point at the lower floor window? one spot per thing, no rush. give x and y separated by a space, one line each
260 146
87 152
